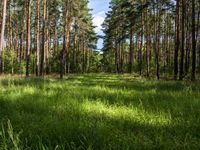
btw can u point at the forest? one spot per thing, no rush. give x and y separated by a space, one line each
99 74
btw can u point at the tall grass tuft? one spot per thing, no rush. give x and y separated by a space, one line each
9 139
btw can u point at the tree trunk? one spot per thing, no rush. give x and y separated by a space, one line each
116 58
38 39
47 42
183 41
55 43
28 44
177 43
2 34
131 51
67 23
43 50
193 43
188 40
74 52
147 42
158 48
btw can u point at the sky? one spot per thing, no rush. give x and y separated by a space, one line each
100 7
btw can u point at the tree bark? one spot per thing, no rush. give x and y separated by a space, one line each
131 52
43 50
67 24
193 43
2 34
38 39
28 44
177 41
183 42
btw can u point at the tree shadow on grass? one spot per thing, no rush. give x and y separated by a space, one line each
120 82
60 122
56 117
24 81
153 96
111 81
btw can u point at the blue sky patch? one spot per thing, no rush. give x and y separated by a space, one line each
100 7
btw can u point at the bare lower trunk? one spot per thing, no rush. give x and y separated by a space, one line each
193 43
67 24
38 39
28 50
2 34
177 43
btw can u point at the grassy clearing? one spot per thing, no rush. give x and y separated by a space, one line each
99 112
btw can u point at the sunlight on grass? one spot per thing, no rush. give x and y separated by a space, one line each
100 112
138 115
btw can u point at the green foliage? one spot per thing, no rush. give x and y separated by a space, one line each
99 112
95 62
11 64
9 139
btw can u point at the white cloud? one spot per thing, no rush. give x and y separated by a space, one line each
99 8
98 21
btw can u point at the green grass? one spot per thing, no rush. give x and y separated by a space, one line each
117 112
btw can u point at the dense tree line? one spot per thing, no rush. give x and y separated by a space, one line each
46 36
150 37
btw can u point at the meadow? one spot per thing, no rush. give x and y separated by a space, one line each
100 112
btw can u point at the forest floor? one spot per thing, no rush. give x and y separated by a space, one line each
99 111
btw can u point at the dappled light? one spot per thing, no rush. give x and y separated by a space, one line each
99 75
69 112
123 113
